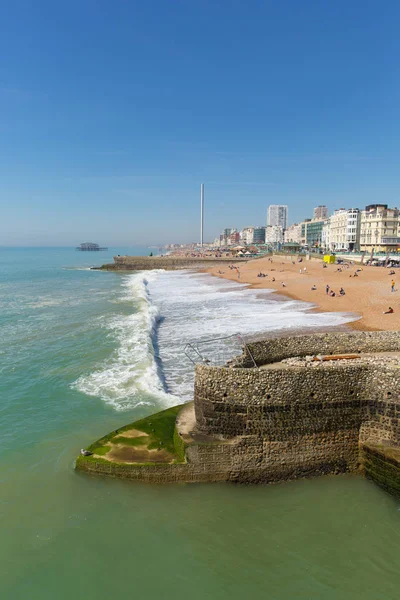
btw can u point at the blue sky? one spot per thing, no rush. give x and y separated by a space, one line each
113 113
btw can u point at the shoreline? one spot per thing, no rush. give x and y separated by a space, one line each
368 295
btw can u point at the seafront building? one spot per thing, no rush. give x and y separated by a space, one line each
320 212
277 215
311 232
253 235
379 228
342 230
376 228
274 234
259 235
234 238
293 234
248 235
225 237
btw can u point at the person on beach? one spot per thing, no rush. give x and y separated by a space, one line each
314 287
327 290
389 311
283 284
332 293
393 284
342 292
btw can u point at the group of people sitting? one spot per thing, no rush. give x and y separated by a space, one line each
330 292
262 274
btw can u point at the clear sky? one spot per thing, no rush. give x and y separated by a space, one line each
113 112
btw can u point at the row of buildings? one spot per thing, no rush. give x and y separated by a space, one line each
375 228
273 233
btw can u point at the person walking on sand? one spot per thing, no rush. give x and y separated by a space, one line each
327 290
393 284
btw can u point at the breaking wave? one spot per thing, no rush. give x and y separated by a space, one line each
132 373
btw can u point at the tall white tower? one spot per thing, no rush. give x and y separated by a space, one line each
201 214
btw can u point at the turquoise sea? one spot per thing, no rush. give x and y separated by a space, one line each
83 352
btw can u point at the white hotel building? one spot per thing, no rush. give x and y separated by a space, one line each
342 230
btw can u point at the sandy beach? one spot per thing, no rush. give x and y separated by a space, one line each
368 294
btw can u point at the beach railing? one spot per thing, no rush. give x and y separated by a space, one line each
217 351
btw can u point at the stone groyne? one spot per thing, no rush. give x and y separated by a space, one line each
290 419
169 263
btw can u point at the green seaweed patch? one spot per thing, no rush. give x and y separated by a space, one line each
101 450
161 433
160 428
179 445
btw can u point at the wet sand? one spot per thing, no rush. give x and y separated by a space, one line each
368 295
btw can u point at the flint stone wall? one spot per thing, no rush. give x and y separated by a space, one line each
296 421
277 349
285 422
382 465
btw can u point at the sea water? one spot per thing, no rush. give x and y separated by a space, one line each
83 352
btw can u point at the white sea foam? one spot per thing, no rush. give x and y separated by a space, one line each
132 371
172 309
197 307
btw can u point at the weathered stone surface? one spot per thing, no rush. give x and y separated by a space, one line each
290 420
277 349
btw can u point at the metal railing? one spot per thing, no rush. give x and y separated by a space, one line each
216 351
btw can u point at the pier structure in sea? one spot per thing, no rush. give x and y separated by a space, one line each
90 247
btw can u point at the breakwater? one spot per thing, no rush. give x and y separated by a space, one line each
290 419
169 263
